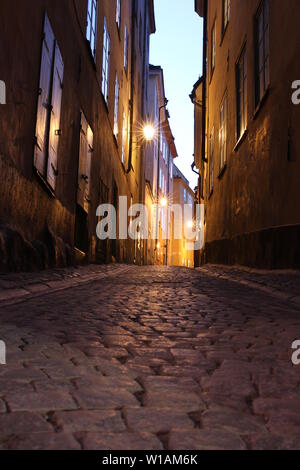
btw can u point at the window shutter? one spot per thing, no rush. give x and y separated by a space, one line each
85 160
44 105
82 162
55 130
90 149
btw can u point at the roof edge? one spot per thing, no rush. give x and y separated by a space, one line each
151 16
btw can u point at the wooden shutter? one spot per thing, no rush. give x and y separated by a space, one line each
44 105
85 160
90 149
55 130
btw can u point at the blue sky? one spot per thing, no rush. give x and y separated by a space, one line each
176 47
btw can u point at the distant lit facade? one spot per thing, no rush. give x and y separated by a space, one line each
160 154
182 196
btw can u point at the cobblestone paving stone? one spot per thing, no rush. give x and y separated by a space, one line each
121 357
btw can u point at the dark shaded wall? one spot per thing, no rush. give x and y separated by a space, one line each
26 204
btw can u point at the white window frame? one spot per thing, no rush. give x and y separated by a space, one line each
118 14
241 93
105 62
213 48
225 14
91 28
223 133
116 108
262 46
126 48
124 138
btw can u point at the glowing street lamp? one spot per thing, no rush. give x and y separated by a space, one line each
164 202
149 132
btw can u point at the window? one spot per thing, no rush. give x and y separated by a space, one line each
161 142
223 134
171 170
211 161
241 88
49 107
126 49
116 111
225 15
105 62
85 165
91 28
118 14
262 69
184 195
167 153
213 50
124 139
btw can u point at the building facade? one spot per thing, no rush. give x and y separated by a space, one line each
160 154
76 76
248 144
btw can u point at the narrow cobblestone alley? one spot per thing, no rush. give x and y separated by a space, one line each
123 357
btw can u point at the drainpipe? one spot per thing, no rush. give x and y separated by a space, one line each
204 85
132 78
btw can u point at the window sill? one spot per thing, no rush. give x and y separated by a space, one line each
261 102
222 172
44 184
240 140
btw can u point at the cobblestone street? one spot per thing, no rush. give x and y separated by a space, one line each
126 358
